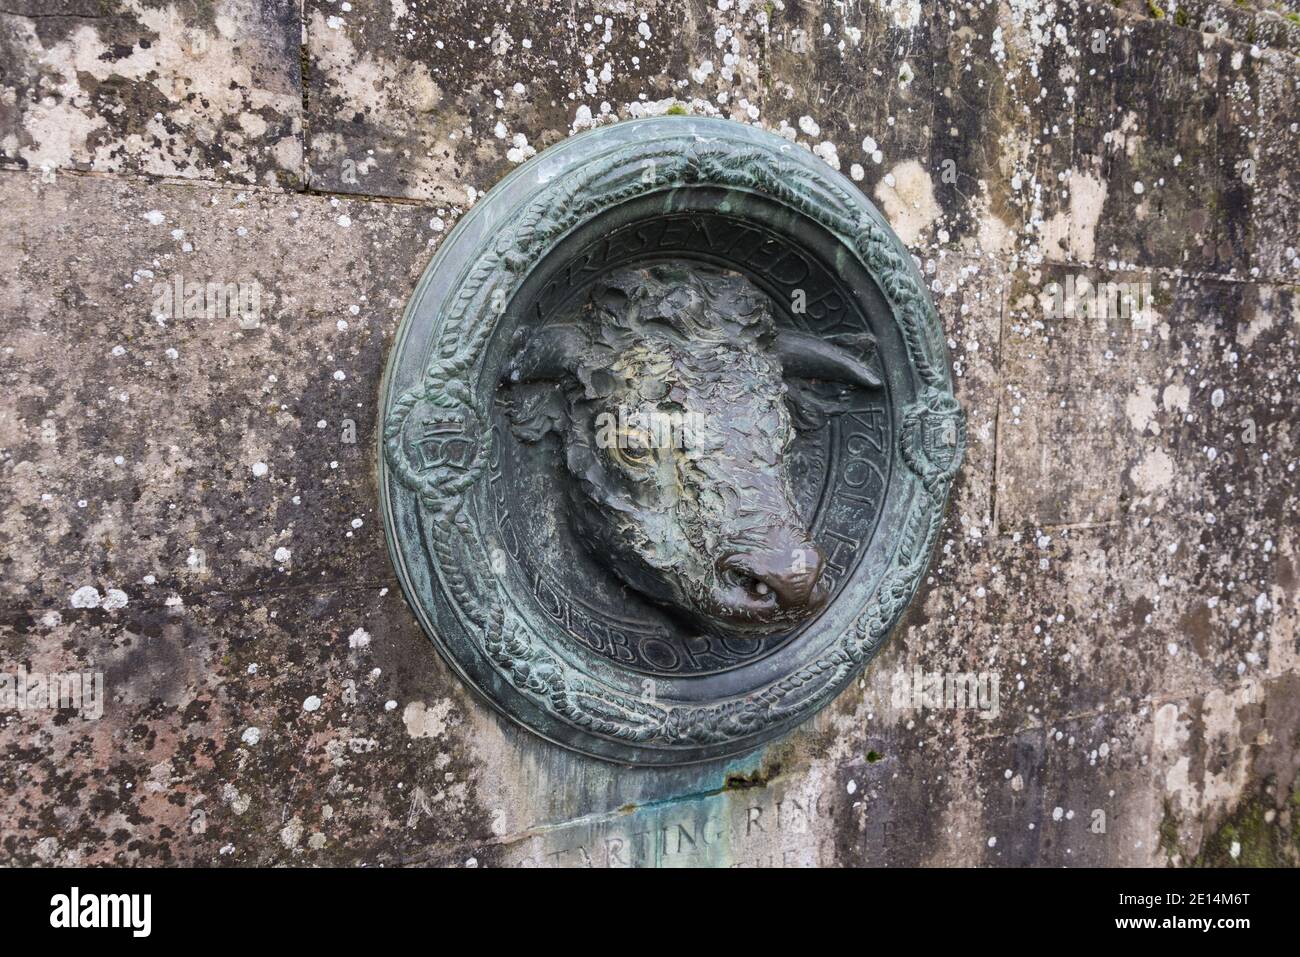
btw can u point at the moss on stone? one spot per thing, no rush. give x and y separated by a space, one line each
1169 831
1256 842
1256 834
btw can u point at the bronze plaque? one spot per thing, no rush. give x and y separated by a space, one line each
668 435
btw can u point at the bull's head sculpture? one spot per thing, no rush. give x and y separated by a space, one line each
675 399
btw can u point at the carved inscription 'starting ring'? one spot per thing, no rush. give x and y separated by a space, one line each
630 601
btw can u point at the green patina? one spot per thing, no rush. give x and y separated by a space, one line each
509 650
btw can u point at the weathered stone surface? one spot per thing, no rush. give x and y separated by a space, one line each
1137 397
847 80
200 446
191 89
1267 161
438 103
1258 22
971 295
1121 550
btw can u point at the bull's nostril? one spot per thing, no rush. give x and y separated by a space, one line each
786 577
737 575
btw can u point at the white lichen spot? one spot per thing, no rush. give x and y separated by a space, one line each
87 596
1176 397
291 833
907 194
906 13
520 150
826 150
1073 233
1140 408
1154 472
423 721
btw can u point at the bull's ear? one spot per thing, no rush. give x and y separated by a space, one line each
544 355
822 376
537 412
548 355
809 357
812 404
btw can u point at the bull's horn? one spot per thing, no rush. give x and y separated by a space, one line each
545 355
808 357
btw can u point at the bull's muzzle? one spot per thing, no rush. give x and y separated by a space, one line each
770 585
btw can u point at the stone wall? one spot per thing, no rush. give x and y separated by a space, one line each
189 502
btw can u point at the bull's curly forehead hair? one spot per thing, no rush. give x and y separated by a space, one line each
695 302
632 311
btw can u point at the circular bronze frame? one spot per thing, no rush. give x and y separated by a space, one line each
439 446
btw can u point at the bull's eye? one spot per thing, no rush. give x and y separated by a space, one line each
634 449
